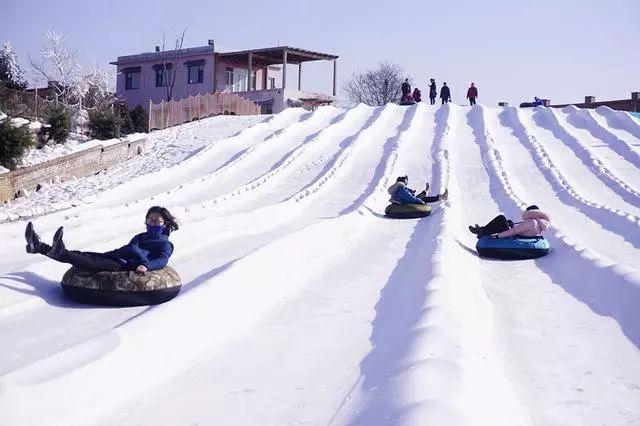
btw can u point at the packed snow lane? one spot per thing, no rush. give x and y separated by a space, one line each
302 303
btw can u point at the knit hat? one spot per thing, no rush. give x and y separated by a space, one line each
532 207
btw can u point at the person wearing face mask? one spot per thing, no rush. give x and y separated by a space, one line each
147 251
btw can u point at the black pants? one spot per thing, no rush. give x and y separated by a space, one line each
444 101
472 101
428 199
432 99
498 224
84 259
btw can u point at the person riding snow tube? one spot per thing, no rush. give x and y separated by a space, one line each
512 248
121 288
134 274
407 100
502 239
405 204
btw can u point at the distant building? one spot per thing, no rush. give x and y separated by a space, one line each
258 75
631 105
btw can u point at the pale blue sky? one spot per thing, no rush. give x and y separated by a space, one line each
512 49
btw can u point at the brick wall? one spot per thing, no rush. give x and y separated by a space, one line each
79 164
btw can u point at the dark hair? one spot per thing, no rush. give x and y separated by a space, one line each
532 207
170 223
402 178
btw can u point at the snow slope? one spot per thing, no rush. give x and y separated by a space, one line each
303 304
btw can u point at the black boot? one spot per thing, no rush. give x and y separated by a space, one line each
476 230
33 240
57 248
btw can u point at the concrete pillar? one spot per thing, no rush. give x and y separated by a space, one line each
300 76
589 99
265 77
250 72
335 77
284 69
503 104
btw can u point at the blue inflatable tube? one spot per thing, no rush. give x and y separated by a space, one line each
517 248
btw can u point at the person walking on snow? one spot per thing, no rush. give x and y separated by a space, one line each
406 89
445 94
402 194
433 92
472 94
534 222
417 95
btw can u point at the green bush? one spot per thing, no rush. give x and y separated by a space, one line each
13 142
104 123
59 121
140 119
134 121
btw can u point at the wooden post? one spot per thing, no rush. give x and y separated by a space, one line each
300 76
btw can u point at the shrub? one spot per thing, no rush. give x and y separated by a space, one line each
104 123
59 122
135 121
13 142
140 119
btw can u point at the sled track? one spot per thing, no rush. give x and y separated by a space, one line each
303 303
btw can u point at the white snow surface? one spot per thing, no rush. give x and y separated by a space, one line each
303 304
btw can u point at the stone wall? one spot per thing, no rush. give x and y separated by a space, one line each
78 164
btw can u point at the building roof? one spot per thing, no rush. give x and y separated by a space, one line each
156 56
266 56
274 55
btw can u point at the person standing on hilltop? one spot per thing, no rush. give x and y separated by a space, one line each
445 93
472 94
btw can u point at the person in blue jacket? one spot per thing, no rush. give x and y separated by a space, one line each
147 251
402 194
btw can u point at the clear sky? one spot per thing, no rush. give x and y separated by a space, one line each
512 49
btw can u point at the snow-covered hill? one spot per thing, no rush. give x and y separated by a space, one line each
303 304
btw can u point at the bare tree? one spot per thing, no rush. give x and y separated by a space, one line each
60 68
59 65
376 87
176 53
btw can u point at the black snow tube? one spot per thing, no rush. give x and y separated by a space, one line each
121 288
407 103
518 248
407 211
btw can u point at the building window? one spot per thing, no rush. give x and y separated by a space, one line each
132 80
163 77
229 75
196 74
272 82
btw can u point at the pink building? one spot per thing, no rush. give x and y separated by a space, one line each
258 75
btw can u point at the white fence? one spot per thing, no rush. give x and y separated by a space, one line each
167 114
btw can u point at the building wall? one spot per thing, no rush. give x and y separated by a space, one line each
631 105
79 164
149 91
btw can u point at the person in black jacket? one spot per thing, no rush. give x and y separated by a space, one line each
433 92
445 94
406 89
147 251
